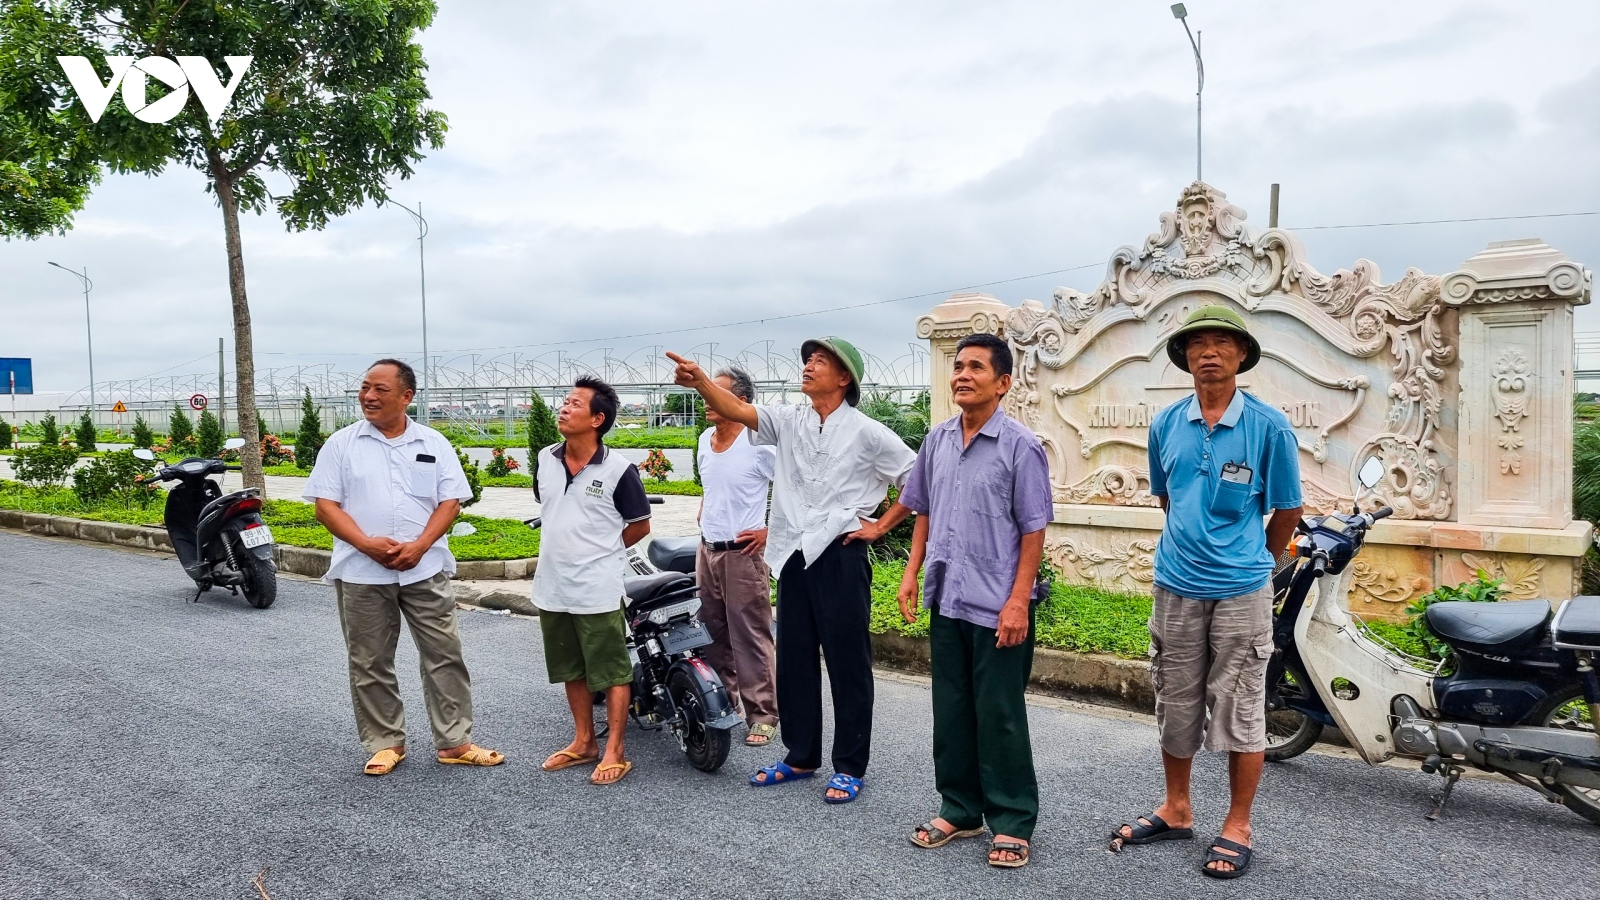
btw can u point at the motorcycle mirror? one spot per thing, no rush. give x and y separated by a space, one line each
144 454
1371 473
233 443
462 529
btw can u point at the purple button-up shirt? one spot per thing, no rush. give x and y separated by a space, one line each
980 500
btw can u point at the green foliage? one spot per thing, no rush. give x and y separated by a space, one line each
274 453
208 437
5 435
474 478
656 465
141 432
44 465
308 440
500 464
1482 589
541 431
909 421
114 478
179 427
896 545
674 488
669 438
1074 617
684 404
84 433
49 431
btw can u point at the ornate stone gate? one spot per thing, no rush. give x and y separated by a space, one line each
1461 384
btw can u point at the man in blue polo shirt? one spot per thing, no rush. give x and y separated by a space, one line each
1221 461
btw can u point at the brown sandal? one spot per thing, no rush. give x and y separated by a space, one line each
475 756
567 759
1021 850
383 762
625 766
938 837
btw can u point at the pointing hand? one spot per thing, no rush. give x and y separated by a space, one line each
688 374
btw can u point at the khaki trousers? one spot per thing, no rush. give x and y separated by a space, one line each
1209 664
736 607
370 616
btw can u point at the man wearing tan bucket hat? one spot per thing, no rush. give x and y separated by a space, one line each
834 467
1221 461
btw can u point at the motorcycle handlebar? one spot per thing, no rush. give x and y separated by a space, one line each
1383 513
534 522
235 468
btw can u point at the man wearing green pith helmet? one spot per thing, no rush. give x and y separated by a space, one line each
834 468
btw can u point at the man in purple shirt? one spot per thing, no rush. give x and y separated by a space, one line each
981 491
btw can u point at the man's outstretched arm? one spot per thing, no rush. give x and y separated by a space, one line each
725 403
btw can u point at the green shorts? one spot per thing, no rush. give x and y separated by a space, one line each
590 648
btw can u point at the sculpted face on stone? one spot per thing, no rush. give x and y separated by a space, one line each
1196 227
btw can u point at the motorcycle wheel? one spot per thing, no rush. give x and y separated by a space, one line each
1567 709
1290 733
260 577
707 748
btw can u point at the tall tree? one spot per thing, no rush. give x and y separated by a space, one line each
541 431
331 103
308 439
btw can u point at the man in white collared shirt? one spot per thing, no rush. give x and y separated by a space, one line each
834 468
388 489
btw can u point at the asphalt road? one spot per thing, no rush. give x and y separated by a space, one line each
157 748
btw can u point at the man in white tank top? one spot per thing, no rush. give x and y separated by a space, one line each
735 583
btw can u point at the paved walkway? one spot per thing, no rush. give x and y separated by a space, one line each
157 748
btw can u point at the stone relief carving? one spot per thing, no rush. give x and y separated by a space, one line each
1115 484
1383 584
1132 559
1521 575
1511 375
1205 237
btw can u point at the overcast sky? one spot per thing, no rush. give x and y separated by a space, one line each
631 167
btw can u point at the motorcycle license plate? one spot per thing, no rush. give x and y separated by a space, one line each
685 636
256 537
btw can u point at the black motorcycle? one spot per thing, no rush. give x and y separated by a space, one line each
220 538
1522 701
673 688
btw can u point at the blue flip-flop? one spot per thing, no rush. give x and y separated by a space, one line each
841 782
779 773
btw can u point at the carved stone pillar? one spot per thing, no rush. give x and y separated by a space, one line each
1516 300
946 324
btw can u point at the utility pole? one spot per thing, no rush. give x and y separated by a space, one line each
422 269
222 393
87 327
1182 15
1272 210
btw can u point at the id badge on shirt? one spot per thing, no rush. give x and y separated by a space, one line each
424 476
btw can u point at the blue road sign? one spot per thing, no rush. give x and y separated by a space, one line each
16 375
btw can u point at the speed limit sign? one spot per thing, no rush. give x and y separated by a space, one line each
197 402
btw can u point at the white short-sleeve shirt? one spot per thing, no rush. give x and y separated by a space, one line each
390 487
736 482
829 475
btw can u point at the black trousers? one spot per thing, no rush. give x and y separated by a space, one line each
826 606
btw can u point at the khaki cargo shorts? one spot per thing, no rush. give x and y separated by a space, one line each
1209 663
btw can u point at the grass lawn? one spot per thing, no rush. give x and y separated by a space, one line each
635 438
1075 617
293 523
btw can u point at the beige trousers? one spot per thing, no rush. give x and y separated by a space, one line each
370 615
1209 664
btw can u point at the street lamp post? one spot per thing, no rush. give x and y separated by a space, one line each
422 268
1182 15
87 326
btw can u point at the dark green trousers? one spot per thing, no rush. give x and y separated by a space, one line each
982 757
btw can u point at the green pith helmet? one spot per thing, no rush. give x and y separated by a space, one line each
1212 318
846 353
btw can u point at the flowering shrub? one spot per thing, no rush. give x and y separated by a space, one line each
656 465
183 446
500 465
274 453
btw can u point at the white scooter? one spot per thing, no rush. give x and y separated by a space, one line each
1522 701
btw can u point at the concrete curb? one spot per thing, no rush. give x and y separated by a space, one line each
1124 682
306 561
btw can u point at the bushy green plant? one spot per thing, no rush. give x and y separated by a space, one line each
273 452
114 478
474 478
541 431
501 464
1482 589
49 431
909 421
656 465
141 432
208 437
5 435
44 465
179 428
84 433
308 440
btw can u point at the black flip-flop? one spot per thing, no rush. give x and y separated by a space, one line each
1148 830
1240 863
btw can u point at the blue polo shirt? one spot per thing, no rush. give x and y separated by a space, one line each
1214 545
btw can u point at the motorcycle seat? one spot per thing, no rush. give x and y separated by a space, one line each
1501 628
1577 625
673 554
640 588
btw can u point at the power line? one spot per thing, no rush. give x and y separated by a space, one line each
1443 221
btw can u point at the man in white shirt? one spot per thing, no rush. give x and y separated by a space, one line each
388 489
735 583
594 507
834 467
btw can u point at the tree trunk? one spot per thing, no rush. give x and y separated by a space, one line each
243 346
